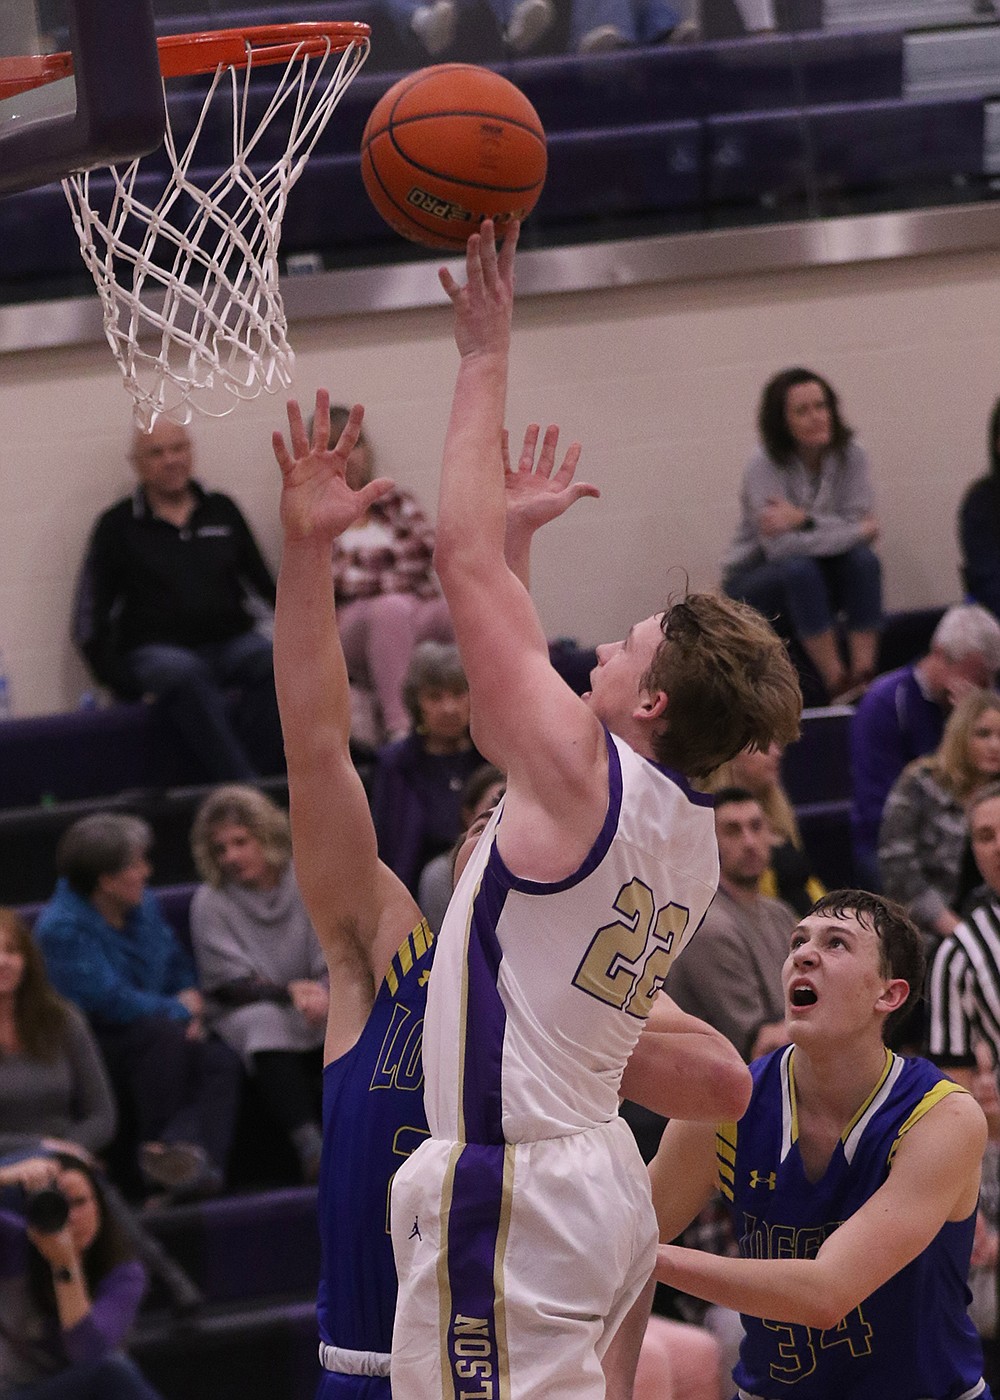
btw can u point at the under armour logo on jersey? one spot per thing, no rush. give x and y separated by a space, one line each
415 1232
768 1179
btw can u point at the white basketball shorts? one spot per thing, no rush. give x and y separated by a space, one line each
516 1264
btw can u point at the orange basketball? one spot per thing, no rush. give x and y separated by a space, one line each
449 146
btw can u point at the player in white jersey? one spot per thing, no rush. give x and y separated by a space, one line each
522 1228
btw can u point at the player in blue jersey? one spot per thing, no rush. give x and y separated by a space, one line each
378 949
852 1180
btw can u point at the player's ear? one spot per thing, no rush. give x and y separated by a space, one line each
893 995
652 705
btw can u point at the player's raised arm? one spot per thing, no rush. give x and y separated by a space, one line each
350 895
524 716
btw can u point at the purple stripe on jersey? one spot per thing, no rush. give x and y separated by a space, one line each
700 799
597 851
474 1219
485 1015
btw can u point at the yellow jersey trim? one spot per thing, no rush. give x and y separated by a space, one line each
932 1097
410 951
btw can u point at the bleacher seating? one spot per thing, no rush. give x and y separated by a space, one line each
255 1258
903 14
254 1353
857 146
950 63
55 769
701 80
89 753
706 130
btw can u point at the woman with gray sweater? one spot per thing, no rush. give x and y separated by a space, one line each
803 547
259 964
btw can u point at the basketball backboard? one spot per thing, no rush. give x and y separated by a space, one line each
79 86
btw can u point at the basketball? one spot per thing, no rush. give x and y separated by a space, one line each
449 146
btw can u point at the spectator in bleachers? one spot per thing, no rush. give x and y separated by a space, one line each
480 795
623 23
387 594
758 16
902 717
600 25
730 974
803 547
171 591
418 781
788 875
963 991
55 1094
70 1296
259 963
435 23
979 528
924 827
108 949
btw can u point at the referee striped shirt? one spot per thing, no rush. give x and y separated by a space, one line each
964 989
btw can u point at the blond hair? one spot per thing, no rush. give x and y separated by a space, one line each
242 806
773 800
951 763
728 681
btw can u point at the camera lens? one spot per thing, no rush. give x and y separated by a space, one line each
46 1210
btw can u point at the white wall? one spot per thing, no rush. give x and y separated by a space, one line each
659 382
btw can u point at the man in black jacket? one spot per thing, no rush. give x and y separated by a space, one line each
164 607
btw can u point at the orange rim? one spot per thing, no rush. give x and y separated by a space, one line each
32 70
183 55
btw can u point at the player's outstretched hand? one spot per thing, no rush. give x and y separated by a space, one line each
534 493
316 501
484 305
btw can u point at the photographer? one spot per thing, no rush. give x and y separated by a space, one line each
69 1287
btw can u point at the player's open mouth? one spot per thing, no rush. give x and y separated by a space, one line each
801 994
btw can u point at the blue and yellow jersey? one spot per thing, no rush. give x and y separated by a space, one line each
373 1118
912 1338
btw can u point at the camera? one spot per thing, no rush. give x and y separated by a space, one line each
46 1210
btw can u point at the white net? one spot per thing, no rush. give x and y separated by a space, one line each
189 279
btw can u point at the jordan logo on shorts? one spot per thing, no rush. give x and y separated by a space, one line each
415 1232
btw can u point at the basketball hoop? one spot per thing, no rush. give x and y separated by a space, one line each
214 332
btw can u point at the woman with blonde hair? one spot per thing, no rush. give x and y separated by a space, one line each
789 875
259 963
924 830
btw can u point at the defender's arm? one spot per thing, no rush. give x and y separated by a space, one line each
359 909
934 1179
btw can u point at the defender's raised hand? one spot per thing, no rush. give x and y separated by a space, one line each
483 306
316 500
535 495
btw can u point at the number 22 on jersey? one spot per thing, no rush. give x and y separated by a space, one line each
627 960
